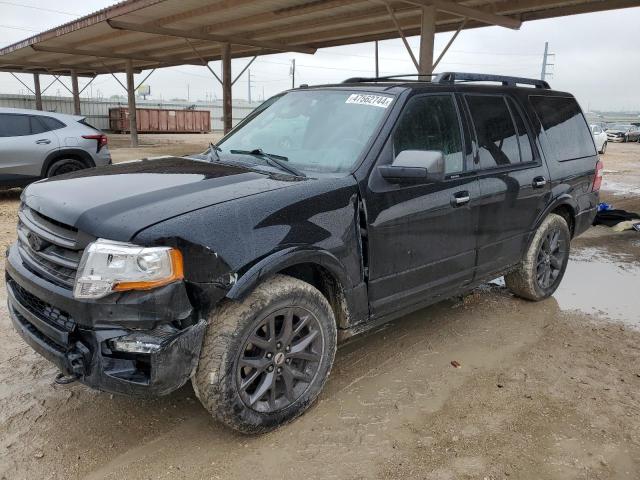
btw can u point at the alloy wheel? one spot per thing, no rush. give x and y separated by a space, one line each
550 260
279 359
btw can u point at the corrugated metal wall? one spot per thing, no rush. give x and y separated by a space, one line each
97 111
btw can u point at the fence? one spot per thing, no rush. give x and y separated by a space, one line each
97 110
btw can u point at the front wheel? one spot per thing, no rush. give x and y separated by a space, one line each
604 148
265 360
544 263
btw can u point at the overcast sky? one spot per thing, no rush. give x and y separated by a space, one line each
597 57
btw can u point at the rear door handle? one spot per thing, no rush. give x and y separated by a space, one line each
539 182
460 198
43 141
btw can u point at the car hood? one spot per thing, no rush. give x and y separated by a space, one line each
616 131
117 201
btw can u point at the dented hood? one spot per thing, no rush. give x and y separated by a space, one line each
117 201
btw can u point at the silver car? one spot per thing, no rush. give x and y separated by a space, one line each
35 145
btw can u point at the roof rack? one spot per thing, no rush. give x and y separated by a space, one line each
389 78
452 77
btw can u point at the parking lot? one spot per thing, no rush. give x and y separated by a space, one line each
544 390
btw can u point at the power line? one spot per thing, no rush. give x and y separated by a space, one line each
42 9
19 28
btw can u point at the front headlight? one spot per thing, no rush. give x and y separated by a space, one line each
108 266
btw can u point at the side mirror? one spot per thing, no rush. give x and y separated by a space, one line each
415 166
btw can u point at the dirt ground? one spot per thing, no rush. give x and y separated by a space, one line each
546 390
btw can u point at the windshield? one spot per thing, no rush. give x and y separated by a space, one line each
314 130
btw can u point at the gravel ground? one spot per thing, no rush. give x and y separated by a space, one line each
547 390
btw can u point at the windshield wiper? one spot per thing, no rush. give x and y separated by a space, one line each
213 151
271 159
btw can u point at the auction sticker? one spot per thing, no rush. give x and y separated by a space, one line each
373 100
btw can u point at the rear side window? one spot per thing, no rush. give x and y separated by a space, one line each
431 123
496 133
565 126
526 151
12 125
51 123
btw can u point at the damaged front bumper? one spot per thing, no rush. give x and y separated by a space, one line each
136 343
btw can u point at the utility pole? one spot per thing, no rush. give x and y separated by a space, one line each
377 66
545 62
292 72
249 86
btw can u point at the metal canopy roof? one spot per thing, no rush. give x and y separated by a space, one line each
161 33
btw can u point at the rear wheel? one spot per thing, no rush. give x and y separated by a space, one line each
65 165
544 263
265 360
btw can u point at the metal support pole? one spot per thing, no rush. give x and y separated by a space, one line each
293 73
75 92
131 95
377 60
37 92
227 120
427 36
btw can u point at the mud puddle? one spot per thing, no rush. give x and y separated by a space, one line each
599 284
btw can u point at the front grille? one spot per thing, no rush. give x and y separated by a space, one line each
41 309
49 249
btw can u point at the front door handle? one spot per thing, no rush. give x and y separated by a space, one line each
43 141
460 198
539 182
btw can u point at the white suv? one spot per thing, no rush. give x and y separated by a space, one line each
35 145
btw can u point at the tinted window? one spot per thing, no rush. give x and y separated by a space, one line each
431 123
51 123
565 126
526 151
37 126
495 131
12 125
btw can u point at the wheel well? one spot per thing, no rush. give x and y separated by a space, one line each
566 212
327 284
63 155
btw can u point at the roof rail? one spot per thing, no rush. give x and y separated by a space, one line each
389 78
452 77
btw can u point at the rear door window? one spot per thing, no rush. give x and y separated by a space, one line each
565 126
495 131
430 122
13 125
526 150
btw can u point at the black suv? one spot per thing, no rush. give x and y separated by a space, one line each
328 211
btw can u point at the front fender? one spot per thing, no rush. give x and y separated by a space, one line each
285 258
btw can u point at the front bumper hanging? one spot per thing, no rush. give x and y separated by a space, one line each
108 346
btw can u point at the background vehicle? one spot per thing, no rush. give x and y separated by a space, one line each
241 269
623 133
599 137
35 145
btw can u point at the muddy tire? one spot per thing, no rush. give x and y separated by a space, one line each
65 165
544 263
265 360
